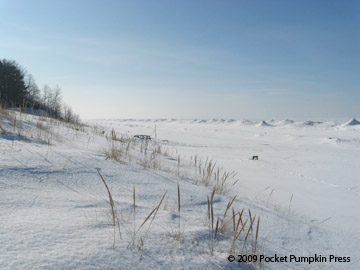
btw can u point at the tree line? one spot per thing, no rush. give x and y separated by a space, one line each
19 89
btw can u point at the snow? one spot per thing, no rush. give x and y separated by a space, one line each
263 124
55 210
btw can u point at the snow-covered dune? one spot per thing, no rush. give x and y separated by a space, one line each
316 163
55 211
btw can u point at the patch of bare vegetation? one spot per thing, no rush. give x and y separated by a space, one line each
152 154
228 231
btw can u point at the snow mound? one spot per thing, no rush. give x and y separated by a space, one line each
201 121
263 124
160 120
306 123
352 122
246 122
330 124
211 121
286 122
229 121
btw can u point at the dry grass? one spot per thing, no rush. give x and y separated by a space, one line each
3 110
35 127
212 235
225 222
179 208
112 207
41 125
211 175
291 199
233 227
242 233
134 212
113 153
254 245
151 214
42 118
150 154
268 199
239 229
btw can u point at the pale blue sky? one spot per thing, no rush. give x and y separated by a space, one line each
191 59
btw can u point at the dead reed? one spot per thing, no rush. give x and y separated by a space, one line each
179 208
151 214
111 201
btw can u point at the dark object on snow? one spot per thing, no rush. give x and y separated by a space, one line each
142 137
255 158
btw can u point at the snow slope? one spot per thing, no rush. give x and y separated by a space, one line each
55 211
314 163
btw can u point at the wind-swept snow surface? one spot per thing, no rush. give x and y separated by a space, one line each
55 211
313 164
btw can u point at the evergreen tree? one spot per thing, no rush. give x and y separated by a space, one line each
13 91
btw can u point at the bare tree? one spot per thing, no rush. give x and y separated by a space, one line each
56 101
33 90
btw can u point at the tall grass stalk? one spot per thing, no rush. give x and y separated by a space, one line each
254 245
153 214
179 208
247 234
156 211
134 212
111 204
212 237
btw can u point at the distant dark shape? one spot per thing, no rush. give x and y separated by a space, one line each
143 137
255 158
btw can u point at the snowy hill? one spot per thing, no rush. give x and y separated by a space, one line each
56 212
352 122
263 124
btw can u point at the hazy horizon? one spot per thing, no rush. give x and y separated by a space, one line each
338 120
191 59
